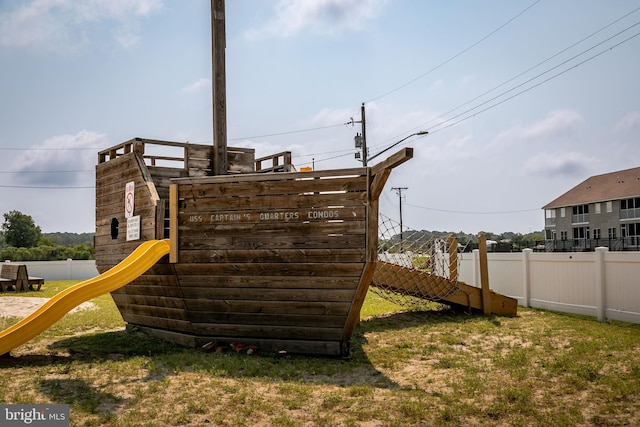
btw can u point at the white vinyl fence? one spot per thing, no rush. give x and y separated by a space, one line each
61 270
602 284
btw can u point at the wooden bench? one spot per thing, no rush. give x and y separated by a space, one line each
15 277
35 282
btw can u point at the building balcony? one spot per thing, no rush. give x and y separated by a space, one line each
633 213
580 218
587 245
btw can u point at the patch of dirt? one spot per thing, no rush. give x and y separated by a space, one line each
24 306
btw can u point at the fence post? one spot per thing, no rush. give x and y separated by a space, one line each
526 276
69 268
475 257
438 266
601 285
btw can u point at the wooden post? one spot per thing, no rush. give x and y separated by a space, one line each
173 223
453 258
218 45
484 274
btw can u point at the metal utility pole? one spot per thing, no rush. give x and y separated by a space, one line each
399 191
218 45
361 140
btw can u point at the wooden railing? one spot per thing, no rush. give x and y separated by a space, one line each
138 145
199 158
196 158
280 162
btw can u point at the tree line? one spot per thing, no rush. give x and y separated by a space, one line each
22 240
467 242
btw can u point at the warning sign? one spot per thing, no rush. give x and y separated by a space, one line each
133 228
129 198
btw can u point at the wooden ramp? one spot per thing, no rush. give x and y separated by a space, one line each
425 285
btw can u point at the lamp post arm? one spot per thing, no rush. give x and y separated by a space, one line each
424 132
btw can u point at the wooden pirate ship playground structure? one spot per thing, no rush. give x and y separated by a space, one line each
262 255
206 243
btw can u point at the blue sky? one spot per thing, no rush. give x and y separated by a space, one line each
523 99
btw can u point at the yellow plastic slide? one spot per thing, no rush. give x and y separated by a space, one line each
133 266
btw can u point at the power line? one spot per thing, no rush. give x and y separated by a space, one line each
438 127
432 130
230 139
540 75
435 68
47 187
48 149
30 172
350 153
287 133
397 89
531 68
471 212
325 152
454 56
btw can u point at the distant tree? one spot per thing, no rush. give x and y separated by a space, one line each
45 241
20 231
536 235
69 239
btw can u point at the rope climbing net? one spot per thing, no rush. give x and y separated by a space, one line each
413 267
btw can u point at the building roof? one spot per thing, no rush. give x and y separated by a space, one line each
599 188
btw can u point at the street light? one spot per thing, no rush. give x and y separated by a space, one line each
422 132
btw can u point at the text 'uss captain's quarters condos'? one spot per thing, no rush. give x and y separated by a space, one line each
603 210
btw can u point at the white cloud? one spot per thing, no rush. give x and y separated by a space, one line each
70 24
32 23
61 160
557 124
629 123
325 17
571 164
95 10
460 142
202 84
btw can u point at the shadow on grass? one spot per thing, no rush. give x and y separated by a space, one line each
421 317
77 392
134 351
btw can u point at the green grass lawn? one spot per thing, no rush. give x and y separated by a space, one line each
408 368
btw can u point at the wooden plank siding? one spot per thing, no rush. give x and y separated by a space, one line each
272 259
111 179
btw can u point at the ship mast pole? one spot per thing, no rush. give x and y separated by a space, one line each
218 85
